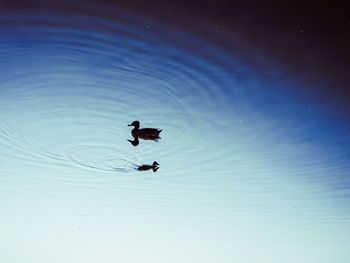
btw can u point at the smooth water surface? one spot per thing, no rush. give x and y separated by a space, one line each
250 171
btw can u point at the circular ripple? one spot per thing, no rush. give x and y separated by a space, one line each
71 91
70 87
233 148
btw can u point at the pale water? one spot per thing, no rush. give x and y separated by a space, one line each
250 170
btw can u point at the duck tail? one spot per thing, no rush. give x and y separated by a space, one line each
155 169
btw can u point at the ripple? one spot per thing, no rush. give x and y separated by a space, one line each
71 85
74 81
244 161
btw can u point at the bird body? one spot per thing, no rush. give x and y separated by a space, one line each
146 167
145 133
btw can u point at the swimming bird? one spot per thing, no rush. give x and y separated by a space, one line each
145 133
148 167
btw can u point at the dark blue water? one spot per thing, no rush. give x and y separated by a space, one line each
250 170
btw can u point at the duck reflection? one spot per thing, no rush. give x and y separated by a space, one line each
145 134
146 167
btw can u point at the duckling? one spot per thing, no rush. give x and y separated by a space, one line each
145 134
146 167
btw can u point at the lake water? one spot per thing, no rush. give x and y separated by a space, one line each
250 170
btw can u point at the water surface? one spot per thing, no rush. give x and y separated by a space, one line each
250 171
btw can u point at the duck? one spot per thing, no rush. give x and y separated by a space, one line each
145 133
146 167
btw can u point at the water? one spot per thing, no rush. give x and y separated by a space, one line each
250 171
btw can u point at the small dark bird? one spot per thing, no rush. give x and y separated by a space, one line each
146 167
145 134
